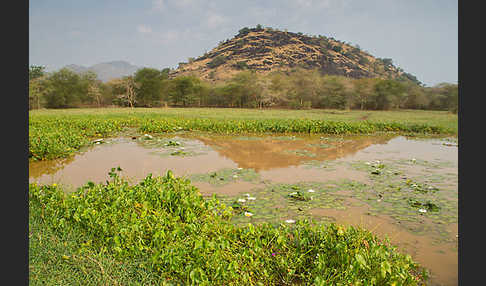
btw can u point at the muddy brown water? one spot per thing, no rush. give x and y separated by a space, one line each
284 159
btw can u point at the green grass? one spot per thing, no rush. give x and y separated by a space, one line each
161 231
60 133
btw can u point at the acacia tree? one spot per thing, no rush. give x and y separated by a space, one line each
94 92
37 86
184 89
364 89
123 89
65 90
388 94
303 87
149 84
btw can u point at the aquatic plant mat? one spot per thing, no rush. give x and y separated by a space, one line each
162 231
422 202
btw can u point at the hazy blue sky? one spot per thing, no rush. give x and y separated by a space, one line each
419 35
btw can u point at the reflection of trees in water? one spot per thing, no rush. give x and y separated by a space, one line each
269 153
49 167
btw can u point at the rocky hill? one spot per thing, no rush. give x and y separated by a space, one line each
266 50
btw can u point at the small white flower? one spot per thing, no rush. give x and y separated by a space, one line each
422 210
311 191
247 195
251 198
413 160
248 214
235 176
240 168
378 200
241 200
294 193
368 163
290 221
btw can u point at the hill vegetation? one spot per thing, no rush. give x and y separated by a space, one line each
266 50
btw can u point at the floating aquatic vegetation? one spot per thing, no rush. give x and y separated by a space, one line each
421 188
300 196
328 165
248 138
301 152
285 138
428 206
227 175
321 145
172 143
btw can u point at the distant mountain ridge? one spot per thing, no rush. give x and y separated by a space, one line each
107 70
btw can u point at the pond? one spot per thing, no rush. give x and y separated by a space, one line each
403 188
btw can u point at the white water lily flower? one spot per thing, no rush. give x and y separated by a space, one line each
248 214
241 200
422 210
251 198
311 191
290 221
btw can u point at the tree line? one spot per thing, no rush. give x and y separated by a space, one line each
296 89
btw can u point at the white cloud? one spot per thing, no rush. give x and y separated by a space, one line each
215 20
144 29
169 37
158 5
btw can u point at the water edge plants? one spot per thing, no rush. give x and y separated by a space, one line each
179 237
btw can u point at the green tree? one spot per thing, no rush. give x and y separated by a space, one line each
36 72
66 89
37 86
184 90
149 83
389 94
244 30
364 90
333 93
304 87
216 61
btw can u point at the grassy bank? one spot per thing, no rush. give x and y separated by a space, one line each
60 133
162 231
